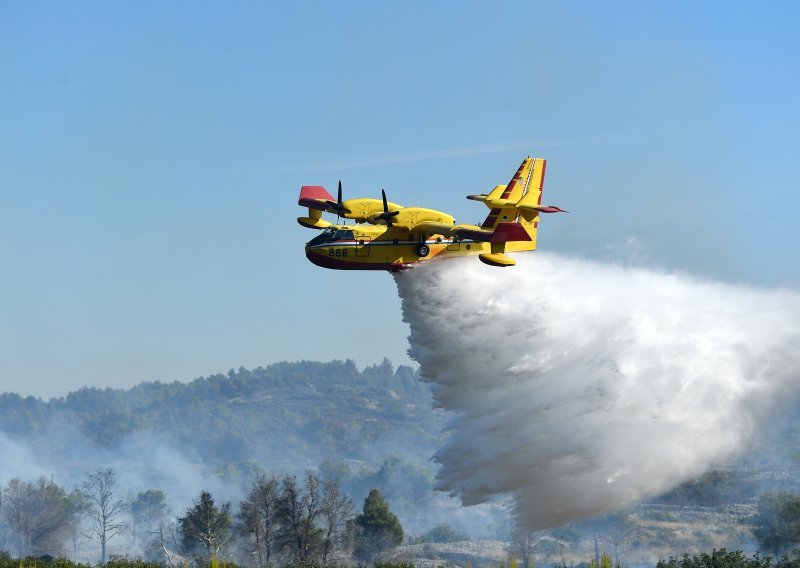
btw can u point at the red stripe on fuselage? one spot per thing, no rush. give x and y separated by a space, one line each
326 261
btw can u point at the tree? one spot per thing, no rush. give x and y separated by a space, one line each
443 533
380 529
38 517
618 529
258 517
205 526
299 510
77 504
717 559
311 508
776 524
147 510
336 510
103 508
524 540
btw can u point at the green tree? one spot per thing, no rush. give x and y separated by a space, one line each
37 516
379 528
717 559
205 526
147 510
776 524
439 533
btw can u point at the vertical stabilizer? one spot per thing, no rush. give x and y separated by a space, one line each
503 198
533 196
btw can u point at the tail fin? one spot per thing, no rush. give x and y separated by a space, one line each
503 198
529 203
528 215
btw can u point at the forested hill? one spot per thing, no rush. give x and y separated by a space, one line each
287 415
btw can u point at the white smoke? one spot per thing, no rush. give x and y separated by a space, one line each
579 387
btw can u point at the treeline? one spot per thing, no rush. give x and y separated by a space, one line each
281 520
298 413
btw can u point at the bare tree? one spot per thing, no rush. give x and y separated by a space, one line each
291 511
299 510
311 509
524 541
103 508
167 536
336 510
618 529
258 517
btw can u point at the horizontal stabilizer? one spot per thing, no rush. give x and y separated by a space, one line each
542 208
494 198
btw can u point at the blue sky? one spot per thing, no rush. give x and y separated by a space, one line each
151 154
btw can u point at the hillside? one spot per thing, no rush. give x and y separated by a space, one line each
286 416
373 427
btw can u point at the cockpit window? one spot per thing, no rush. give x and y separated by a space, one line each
330 235
344 235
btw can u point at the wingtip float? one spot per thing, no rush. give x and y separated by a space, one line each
388 236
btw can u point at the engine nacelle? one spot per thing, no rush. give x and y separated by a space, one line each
365 208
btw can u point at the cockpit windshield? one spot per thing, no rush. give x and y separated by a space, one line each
332 234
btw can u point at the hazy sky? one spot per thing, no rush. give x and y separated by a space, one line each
151 155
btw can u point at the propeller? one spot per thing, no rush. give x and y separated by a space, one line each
338 206
387 215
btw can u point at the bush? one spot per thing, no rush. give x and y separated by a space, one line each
717 559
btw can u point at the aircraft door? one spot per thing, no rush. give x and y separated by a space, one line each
363 246
454 245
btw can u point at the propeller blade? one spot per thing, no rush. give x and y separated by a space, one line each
387 215
339 202
338 207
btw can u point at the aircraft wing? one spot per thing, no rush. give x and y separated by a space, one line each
431 228
472 232
315 197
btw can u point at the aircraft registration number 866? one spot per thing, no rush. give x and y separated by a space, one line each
337 252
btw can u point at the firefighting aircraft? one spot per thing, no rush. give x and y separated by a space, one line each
388 236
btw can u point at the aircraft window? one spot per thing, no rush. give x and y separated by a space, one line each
438 239
361 241
343 235
324 237
394 241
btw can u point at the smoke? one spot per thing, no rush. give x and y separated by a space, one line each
579 387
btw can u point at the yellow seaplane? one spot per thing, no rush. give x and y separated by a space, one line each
388 236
